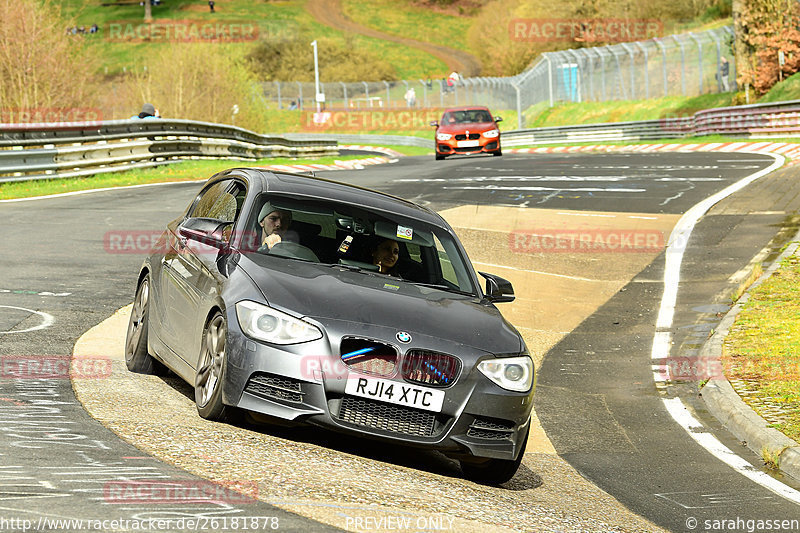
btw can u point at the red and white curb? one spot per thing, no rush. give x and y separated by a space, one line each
378 149
791 151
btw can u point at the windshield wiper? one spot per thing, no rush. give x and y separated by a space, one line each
440 286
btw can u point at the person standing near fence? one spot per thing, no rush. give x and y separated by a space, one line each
724 69
411 97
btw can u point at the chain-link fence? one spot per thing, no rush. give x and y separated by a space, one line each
688 64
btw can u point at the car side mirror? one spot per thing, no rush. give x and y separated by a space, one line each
498 289
211 234
498 119
435 124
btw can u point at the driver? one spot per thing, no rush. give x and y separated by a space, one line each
274 224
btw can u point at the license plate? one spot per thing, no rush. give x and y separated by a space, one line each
467 144
395 392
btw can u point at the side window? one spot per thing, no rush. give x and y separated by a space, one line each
448 273
220 201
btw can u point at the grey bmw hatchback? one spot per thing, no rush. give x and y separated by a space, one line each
309 301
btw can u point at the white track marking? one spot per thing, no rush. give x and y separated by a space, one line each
47 320
662 340
559 189
587 215
578 278
87 191
698 432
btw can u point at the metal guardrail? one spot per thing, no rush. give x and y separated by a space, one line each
350 138
48 151
779 119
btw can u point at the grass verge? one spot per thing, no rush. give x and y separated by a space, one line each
763 347
183 171
541 114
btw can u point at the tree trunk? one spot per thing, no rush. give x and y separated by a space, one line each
740 49
148 11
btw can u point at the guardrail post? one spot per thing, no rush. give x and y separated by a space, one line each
366 90
663 63
441 93
549 80
424 93
278 85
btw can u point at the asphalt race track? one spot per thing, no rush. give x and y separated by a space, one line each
596 397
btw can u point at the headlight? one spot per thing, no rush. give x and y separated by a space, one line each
491 134
443 136
511 373
267 324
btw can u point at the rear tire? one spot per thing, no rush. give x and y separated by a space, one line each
137 358
211 370
494 471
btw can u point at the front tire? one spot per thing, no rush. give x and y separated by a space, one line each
439 156
211 370
494 471
137 358
497 153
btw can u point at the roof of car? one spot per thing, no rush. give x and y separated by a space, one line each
325 189
465 108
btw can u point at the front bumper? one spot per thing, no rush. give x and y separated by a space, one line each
451 147
306 384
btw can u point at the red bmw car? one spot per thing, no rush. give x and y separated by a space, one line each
467 130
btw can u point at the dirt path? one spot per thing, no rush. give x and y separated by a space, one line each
329 12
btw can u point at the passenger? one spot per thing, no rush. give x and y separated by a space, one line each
385 255
274 225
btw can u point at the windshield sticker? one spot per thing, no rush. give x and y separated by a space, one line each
405 233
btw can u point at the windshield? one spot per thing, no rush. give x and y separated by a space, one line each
358 239
468 116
